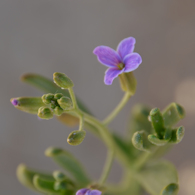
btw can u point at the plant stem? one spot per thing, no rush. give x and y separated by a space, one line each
119 107
107 167
72 95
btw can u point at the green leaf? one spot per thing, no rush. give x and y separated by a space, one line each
171 189
156 176
139 119
156 141
140 141
172 114
177 135
69 163
157 122
44 186
25 176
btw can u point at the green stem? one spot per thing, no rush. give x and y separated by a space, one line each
72 95
119 107
107 167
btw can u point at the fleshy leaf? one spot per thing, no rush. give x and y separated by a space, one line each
45 186
140 141
171 189
139 119
157 122
177 135
156 141
155 177
25 176
69 163
172 114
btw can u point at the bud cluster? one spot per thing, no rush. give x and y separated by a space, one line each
54 104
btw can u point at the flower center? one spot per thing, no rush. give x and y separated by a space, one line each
120 66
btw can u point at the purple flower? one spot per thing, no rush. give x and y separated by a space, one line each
122 60
86 191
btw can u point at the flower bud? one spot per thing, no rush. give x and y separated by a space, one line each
57 96
76 137
58 111
62 80
47 98
65 103
45 113
27 104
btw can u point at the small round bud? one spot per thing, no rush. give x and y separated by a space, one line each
65 103
62 80
58 96
45 113
58 111
47 98
76 137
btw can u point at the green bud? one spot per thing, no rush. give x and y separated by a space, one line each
65 103
47 98
173 114
128 82
27 104
45 113
62 80
157 122
59 176
76 137
171 189
58 96
139 141
58 111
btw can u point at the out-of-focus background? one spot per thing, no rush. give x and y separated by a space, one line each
45 36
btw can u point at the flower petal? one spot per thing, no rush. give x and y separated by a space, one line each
111 74
107 56
126 46
132 61
82 191
94 192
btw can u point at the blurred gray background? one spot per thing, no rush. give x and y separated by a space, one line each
44 36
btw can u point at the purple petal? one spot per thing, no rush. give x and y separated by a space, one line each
111 74
132 61
94 192
126 46
107 56
14 102
82 191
